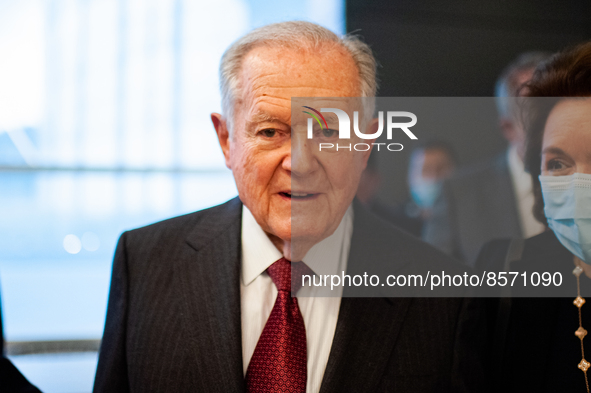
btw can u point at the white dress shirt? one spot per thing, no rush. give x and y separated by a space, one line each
523 187
258 293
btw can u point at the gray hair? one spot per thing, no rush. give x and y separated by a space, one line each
295 34
506 86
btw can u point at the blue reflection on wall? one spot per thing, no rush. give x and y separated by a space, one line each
104 127
59 230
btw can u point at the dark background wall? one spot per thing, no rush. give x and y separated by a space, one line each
433 48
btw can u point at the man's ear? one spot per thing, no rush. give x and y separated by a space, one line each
223 136
507 129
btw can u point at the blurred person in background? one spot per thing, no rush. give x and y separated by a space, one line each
202 302
494 199
540 344
430 164
367 192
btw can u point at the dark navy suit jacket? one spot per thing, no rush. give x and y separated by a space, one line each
173 320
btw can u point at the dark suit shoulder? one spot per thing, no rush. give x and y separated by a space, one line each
211 220
544 252
161 241
492 255
421 253
175 301
542 247
394 247
219 213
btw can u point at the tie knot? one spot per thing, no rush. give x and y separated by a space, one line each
283 271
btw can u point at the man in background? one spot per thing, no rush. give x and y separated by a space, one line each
494 199
430 164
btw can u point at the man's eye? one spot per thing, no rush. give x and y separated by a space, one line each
328 132
269 132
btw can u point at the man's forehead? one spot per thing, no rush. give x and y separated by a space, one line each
259 115
328 71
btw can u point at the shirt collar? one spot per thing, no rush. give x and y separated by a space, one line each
258 252
325 257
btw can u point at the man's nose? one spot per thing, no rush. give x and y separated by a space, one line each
286 163
302 161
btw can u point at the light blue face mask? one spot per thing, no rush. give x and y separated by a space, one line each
425 192
567 205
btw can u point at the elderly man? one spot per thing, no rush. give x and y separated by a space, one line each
202 302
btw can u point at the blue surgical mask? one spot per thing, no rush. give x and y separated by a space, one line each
567 205
425 192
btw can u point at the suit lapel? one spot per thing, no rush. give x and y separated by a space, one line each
363 343
209 274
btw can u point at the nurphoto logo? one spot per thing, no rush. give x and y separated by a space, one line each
344 131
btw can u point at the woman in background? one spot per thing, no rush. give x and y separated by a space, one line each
538 344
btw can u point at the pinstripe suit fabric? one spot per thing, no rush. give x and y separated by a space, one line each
173 320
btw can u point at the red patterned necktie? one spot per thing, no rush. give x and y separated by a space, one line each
278 363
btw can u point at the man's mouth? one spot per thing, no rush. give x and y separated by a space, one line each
298 195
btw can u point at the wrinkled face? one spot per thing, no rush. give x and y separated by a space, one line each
276 171
566 145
